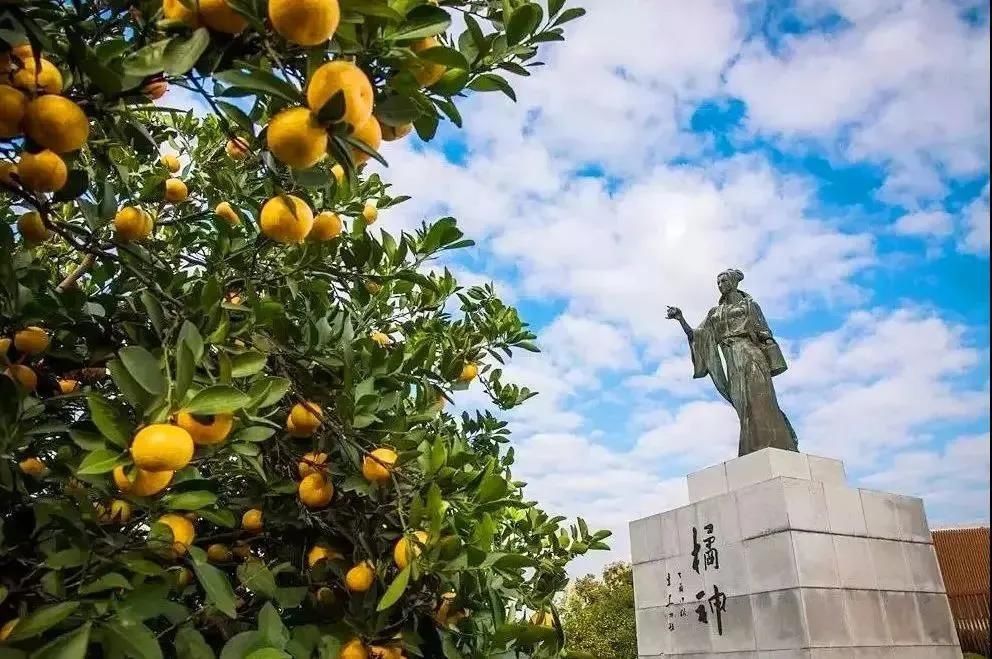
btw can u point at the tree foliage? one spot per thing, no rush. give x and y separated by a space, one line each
332 506
598 614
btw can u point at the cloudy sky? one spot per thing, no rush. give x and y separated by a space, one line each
836 152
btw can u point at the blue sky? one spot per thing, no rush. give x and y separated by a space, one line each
837 152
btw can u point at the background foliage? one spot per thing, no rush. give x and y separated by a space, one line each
598 614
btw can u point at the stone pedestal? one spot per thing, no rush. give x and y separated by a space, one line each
776 557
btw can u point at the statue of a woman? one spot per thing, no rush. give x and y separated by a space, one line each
751 357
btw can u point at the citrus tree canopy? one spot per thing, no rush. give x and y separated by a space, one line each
223 426
598 614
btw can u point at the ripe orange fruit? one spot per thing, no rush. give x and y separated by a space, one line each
426 73
182 532
380 338
227 213
295 138
119 513
342 76
353 649
13 104
393 133
23 375
312 463
305 22
469 371
543 618
377 466
206 429
326 226
360 578
286 219
320 553
155 89
370 213
33 228
68 386
304 419
162 447
407 549
171 162
369 133
174 10
32 340
218 15
145 483
32 467
8 628
132 223
56 123
176 191
219 553
47 78
44 171
337 171
251 521
236 148
315 491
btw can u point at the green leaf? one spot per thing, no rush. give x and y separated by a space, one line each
449 57
490 82
133 639
190 335
254 434
271 627
76 184
524 21
267 391
144 368
185 369
181 55
190 644
570 14
218 399
109 581
146 61
246 364
422 21
99 462
257 578
71 645
71 557
221 517
41 620
133 392
395 590
330 647
216 584
241 645
269 653
110 420
189 500
258 81
155 312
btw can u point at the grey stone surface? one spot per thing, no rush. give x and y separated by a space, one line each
669 534
935 615
923 567
881 519
788 464
709 482
732 577
805 505
865 617
845 514
771 563
826 470
649 584
779 623
912 519
888 558
761 508
645 539
826 622
738 627
784 654
652 631
720 511
748 470
902 618
816 565
854 564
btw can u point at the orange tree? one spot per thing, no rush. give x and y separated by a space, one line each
223 428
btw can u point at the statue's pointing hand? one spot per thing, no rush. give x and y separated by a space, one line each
674 313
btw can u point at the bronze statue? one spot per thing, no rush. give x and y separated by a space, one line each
737 327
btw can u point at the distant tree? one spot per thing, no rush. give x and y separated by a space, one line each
598 614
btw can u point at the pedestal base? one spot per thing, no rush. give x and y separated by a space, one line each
777 558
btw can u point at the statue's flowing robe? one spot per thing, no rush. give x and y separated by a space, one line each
744 376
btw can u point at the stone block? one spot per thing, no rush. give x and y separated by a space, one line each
888 560
826 623
826 470
691 636
788 464
927 652
911 519
784 654
738 626
761 509
646 539
816 565
854 564
706 483
669 534
924 570
764 465
779 623
721 512
902 619
652 631
649 584
881 519
850 653
936 619
732 577
845 514
684 577
865 617
771 563
805 505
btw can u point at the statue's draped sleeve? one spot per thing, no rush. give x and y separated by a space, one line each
706 356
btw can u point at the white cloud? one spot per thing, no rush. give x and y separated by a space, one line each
925 223
976 217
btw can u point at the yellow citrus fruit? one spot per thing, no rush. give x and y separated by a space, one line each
219 553
13 104
315 491
377 466
385 652
304 419
407 549
176 191
56 123
132 223
5 344
373 287
174 10
32 467
320 553
206 429
295 138
227 213
305 22
23 52
236 148
286 219
342 76
337 171
353 649
33 228
370 213
171 162
162 447
380 338
426 73
312 463
543 618
118 513
360 578
44 171
68 386
469 371
8 628
370 134
251 521
182 531
23 375
46 78
183 577
145 483
218 15
393 133
326 226
32 340
155 89
7 171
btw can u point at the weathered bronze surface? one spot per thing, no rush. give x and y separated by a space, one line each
737 329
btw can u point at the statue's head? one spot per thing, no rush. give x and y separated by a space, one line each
727 280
